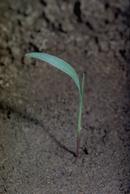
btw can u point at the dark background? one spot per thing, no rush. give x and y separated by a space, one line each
38 104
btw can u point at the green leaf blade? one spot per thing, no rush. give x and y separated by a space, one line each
59 64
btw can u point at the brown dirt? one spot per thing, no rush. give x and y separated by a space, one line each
38 104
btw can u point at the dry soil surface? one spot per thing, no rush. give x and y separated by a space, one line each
38 104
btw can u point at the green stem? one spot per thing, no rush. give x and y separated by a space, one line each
80 116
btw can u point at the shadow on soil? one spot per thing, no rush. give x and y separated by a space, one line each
8 110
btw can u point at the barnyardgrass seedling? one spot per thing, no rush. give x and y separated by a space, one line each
69 70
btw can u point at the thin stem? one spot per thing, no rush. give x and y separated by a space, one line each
79 128
78 146
80 116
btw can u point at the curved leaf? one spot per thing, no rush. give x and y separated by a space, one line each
59 64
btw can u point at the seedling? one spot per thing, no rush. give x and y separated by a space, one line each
69 70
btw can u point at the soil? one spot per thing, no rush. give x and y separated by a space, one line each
38 104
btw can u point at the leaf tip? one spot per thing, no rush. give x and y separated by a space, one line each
28 55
